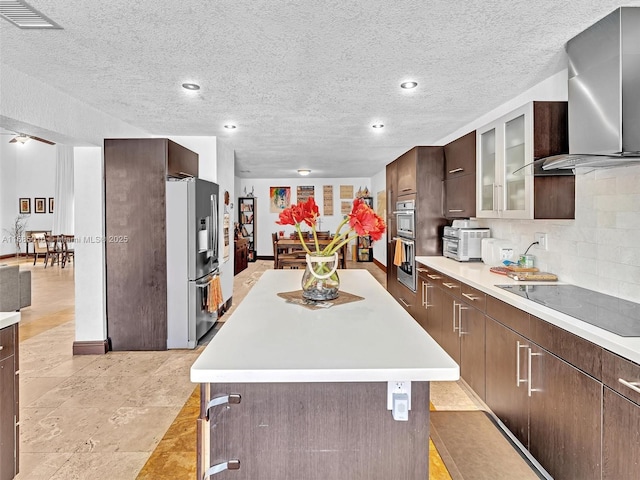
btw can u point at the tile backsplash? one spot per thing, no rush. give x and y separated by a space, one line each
600 249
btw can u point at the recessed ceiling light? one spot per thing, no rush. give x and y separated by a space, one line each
377 125
230 126
191 86
304 172
409 85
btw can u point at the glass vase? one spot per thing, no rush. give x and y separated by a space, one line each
320 281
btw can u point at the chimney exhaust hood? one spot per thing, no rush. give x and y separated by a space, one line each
604 95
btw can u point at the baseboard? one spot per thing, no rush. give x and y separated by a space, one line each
265 257
13 255
380 265
224 307
93 347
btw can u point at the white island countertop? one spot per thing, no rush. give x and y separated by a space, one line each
8 318
477 275
267 340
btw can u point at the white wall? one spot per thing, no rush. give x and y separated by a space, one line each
89 261
266 221
29 171
226 180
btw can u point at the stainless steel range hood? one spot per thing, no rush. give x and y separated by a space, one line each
604 95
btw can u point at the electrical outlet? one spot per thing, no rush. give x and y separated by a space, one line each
397 387
541 238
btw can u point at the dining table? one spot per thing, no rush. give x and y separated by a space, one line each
294 248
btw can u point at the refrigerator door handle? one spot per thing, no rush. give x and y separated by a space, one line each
214 227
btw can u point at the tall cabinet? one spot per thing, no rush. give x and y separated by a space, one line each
509 185
247 224
135 175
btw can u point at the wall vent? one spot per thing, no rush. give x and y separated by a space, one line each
25 16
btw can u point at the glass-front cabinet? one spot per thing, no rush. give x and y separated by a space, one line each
504 170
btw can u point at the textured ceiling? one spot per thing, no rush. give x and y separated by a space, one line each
303 80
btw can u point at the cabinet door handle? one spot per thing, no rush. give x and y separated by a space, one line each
422 270
407 189
424 294
456 170
455 304
434 277
449 285
404 303
635 386
470 297
460 308
221 467
455 210
518 379
1 347
529 383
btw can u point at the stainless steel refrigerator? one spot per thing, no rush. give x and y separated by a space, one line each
192 260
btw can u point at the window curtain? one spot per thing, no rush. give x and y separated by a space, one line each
63 200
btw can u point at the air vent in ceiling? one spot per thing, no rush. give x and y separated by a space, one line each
25 16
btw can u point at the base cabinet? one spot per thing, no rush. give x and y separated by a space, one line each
313 431
9 404
506 383
620 437
564 416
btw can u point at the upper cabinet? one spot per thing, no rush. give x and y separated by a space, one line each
506 186
460 177
407 169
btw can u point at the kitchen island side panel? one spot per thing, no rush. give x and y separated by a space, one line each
319 431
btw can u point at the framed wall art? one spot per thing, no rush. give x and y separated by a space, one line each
40 205
279 198
50 204
25 205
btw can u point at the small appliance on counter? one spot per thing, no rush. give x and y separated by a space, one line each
496 250
462 241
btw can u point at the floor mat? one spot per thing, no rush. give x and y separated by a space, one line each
473 447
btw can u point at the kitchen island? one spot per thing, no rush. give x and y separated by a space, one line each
304 393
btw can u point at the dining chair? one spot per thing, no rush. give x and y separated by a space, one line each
39 246
323 235
68 251
54 249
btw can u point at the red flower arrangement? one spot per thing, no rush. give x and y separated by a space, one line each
362 221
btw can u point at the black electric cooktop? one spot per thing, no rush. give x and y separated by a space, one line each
615 315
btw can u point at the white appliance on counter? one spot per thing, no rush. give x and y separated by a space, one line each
462 240
192 260
496 250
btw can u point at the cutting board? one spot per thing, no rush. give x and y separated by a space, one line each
533 276
511 269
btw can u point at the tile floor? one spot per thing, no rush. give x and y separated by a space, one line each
103 416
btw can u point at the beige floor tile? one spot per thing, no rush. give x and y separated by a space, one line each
33 388
131 429
40 466
157 391
63 430
452 396
106 465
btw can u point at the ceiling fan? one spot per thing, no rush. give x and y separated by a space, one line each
23 138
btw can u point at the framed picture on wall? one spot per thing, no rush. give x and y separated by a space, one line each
25 205
50 204
40 205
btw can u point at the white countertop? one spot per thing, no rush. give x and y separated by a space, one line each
477 275
9 318
373 340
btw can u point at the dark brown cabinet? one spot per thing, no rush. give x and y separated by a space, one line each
416 175
241 255
460 177
135 175
621 418
506 383
471 329
407 171
9 403
564 416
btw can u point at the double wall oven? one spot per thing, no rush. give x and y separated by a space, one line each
405 245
